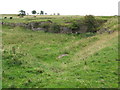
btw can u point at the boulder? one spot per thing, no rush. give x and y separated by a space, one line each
38 29
65 30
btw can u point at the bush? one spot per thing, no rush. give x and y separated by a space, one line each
5 17
74 26
91 23
11 17
45 25
55 28
35 24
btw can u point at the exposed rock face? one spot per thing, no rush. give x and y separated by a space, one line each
102 30
105 30
83 29
65 30
32 25
36 26
38 29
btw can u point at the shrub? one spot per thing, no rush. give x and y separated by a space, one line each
55 28
45 25
35 24
91 23
11 17
74 26
5 17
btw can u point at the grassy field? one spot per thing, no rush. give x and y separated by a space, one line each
61 19
35 59
38 18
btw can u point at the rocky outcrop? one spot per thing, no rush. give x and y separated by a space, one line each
46 26
82 29
32 25
37 26
65 30
38 29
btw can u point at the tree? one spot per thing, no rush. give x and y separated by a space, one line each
41 12
58 13
34 12
22 13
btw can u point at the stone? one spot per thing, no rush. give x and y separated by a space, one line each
62 55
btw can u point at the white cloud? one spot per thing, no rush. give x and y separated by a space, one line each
65 7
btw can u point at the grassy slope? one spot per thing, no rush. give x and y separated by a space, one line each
90 61
111 24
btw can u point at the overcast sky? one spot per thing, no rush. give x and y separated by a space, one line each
64 7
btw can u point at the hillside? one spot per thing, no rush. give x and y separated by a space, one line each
58 24
35 59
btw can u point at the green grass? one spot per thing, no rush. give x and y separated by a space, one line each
30 18
30 59
60 19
